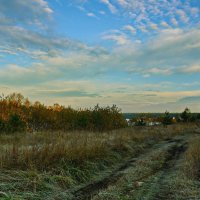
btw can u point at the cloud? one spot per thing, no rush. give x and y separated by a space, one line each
164 24
117 36
130 28
174 21
90 14
15 40
28 12
123 3
182 15
111 7
167 54
119 39
146 14
64 94
154 26
190 99
192 69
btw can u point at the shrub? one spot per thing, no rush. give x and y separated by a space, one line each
15 124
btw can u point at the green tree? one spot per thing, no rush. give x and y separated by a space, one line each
167 118
186 115
15 123
2 126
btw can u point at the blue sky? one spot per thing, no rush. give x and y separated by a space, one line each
143 55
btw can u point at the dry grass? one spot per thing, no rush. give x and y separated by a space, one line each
45 165
46 150
192 159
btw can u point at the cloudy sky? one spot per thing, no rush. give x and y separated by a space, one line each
142 55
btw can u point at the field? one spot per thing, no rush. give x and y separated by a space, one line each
131 163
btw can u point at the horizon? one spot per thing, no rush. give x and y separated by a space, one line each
142 55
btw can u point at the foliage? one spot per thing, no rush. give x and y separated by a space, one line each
167 118
19 114
186 115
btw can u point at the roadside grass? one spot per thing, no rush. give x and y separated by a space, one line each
184 181
47 164
192 160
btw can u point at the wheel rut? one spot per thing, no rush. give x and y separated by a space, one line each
88 191
174 155
158 189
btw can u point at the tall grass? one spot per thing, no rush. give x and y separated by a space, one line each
47 150
192 159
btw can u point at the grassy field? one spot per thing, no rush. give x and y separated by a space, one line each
86 165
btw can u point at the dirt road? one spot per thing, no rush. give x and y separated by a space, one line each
147 176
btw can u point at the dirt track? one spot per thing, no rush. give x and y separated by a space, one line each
156 188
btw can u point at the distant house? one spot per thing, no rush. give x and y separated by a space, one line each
130 123
153 123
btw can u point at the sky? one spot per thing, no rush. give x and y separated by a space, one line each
142 55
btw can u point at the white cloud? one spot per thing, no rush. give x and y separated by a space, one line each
111 7
120 39
130 28
164 24
182 15
174 21
26 11
90 14
192 69
154 26
143 28
18 39
123 3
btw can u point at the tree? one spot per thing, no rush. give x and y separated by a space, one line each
15 123
186 115
2 126
167 118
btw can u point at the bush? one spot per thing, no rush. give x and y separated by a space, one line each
15 124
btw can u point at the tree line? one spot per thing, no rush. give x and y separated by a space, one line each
167 118
18 114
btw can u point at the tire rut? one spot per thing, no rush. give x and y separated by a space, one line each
157 189
175 154
86 192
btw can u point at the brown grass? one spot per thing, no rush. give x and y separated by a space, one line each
45 151
192 159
